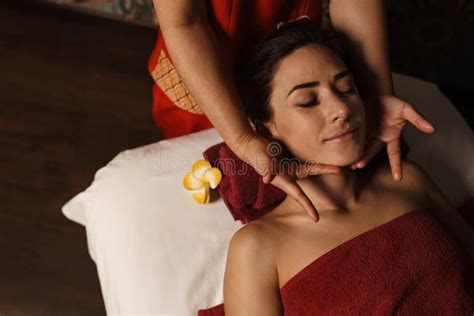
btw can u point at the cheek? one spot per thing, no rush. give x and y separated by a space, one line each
362 118
301 132
361 110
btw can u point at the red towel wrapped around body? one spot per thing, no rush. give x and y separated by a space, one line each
410 265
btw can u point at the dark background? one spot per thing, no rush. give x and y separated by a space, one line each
434 40
74 91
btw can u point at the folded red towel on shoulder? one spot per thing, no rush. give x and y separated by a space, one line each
241 187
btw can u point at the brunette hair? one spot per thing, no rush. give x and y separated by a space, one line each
256 66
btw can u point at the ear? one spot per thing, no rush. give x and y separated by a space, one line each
266 129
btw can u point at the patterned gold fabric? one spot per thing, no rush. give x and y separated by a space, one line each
166 77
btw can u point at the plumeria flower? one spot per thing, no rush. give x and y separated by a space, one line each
201 179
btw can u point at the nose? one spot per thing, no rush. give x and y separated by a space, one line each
339 111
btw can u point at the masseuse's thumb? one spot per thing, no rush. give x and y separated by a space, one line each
265 163
263 156
270 160
285 179
253 149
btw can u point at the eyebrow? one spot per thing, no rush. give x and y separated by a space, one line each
312 84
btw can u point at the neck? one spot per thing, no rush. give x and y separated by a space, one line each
331 192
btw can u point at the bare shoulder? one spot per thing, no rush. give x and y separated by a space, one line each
251 236
251 278
416 180
415 173
419 179
254 242
414 177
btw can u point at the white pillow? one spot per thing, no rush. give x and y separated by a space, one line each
448 154
158 252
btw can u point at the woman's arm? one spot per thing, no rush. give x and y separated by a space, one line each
193 47
194 50
251 279
362 24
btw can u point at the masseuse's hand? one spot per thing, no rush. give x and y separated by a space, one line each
394 115
263 156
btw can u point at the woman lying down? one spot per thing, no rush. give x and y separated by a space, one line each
380 246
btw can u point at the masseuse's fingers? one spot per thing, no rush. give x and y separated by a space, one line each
410 114
394 156
372 148
267 178
291 188
263 156
395 114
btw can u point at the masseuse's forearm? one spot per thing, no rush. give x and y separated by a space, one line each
362 23
195 53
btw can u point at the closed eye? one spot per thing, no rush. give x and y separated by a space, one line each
348 88
310 103
351 90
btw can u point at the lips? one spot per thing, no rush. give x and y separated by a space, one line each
346 135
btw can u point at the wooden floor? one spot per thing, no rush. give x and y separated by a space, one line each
74 91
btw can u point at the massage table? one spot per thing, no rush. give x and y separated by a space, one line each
158 252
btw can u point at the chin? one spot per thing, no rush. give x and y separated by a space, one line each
342 158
